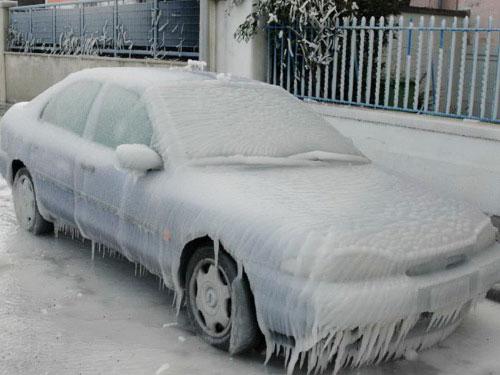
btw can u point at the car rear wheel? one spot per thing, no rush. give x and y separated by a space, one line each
28 216
209 297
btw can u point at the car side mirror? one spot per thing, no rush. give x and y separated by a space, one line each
138 158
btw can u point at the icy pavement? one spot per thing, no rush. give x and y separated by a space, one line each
61 313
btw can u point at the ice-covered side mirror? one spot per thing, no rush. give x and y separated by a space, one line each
138 158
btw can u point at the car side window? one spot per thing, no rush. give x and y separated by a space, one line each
70 107
122 119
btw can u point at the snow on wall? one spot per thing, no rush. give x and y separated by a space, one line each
345 259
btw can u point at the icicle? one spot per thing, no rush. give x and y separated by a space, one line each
341 352
388 338
295 354
270 346
373 339
93 250
216 252
240 269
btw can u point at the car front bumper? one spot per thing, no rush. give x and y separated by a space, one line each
298 309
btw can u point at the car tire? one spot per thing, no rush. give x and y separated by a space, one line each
209 298
25 204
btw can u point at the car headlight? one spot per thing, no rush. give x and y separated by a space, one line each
346 267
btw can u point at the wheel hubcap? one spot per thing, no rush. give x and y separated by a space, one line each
24 199
211 294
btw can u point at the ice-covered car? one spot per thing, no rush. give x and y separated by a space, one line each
260 215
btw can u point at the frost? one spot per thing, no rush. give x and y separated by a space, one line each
218 118
349 264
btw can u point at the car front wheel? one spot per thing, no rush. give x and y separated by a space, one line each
28 216
209 296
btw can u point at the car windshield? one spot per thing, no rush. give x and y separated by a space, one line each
226 118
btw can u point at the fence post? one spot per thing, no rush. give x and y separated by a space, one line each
82 24
378 73
451 66
484 81
461 79
54 27
4 31
470 107
387 87
155 14
115 25
418 63
430 45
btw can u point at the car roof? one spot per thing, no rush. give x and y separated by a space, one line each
143 78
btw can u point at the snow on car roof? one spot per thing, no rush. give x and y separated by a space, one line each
142 77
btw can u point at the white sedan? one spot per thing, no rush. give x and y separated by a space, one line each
264 219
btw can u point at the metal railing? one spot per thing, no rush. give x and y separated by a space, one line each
154 28
446 70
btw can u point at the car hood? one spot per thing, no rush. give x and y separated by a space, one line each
331 220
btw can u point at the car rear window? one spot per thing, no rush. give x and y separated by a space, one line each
70 107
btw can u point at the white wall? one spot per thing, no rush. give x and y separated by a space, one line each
219 48
27 75
461 158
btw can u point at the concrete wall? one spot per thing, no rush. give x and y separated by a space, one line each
27 75
218 47
456 157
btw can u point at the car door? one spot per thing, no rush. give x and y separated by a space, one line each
63 120
118 117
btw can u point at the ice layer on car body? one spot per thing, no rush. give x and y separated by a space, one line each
340 254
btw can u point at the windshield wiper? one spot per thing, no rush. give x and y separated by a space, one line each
329 156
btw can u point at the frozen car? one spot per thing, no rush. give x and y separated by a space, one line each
261 216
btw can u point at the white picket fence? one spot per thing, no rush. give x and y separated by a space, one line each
417 66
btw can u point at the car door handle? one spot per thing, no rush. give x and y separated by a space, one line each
87 167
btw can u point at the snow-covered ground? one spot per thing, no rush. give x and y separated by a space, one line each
62 313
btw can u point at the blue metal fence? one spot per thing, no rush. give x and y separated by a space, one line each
446 70
154 28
